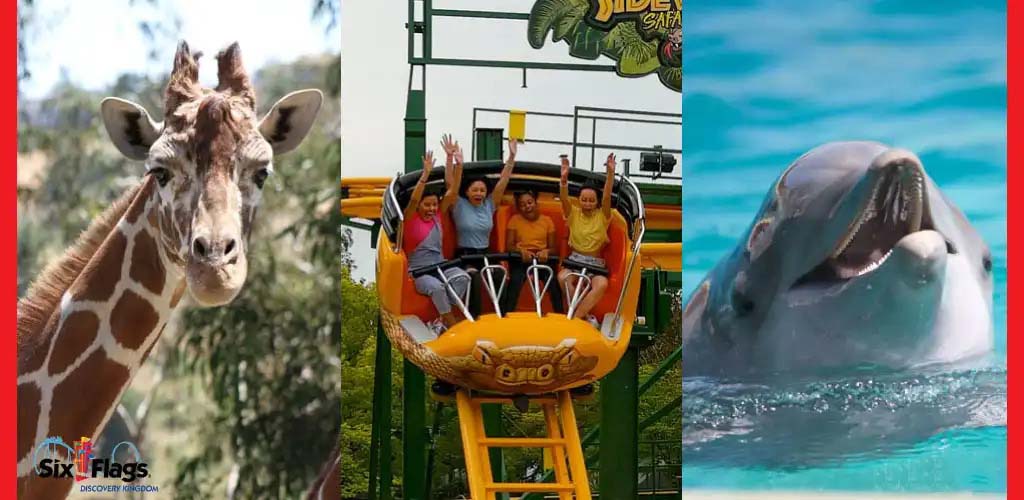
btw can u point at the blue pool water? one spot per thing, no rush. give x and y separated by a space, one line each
764 82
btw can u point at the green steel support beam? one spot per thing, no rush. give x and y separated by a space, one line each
374 234
674 405
380 430
428 30
410 29
619 455
415 130
661 194
414 438
662 236
484 63
488 143
345 221
647 306
661 369
482 14
414 396
435 429
494 428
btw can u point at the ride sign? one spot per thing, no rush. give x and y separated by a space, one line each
642 36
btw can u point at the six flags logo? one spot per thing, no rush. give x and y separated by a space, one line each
55 459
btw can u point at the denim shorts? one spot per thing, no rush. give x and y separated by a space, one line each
586 259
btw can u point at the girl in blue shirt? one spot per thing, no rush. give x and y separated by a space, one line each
473 211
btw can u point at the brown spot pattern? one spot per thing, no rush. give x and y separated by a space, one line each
134 211
81 401
146 267
150 348
32 354
75 335
152 219
29 401
44 488
101 274
178 293
132 320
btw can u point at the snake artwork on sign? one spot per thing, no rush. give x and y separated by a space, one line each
643 37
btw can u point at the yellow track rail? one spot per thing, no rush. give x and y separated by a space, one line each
562 440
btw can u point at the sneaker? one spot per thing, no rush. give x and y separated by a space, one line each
437 326
593 321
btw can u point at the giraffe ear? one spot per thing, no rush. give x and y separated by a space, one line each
290 119
130 127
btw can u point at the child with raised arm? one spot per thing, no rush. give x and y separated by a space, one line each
588 234
422 238
473 211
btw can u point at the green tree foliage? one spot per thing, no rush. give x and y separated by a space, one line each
68 174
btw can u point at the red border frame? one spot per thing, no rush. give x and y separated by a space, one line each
9 255
1014 235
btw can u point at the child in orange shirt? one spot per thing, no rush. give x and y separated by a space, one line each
530 234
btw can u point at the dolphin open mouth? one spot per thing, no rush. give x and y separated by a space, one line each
896 208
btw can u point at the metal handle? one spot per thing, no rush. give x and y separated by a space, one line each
488 272
459 301
538 291
580 291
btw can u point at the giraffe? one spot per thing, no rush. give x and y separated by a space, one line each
89 320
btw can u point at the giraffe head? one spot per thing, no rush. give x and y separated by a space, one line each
209 159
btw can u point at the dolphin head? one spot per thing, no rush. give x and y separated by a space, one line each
855 257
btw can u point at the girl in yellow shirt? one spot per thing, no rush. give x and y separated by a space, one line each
588 234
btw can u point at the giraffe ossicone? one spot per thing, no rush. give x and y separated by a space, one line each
89 320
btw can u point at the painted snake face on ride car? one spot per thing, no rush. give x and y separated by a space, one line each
524 368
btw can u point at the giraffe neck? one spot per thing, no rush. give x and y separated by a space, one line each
73 371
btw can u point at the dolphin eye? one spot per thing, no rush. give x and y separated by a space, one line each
162 175
986 262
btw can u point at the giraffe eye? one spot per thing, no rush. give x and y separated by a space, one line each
162 175
260 177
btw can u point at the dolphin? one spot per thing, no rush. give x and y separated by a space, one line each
855 258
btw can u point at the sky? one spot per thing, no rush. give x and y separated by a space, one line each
95 41
375 77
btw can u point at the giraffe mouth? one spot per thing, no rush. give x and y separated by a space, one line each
215 285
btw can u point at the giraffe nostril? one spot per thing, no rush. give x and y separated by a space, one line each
229 248
198 248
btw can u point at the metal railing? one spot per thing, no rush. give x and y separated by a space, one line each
590 113
424 26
